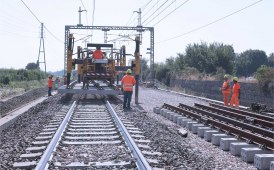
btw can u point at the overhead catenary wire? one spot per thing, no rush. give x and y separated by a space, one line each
213 22
150 8
155 11
41 22
171 12
146 5
162 11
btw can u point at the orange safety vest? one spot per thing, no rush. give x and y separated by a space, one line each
236 88
49 82
128 82
226 87
97 54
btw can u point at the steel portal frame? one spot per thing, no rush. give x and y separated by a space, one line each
138 29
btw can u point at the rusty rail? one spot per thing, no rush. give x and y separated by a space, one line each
244 112
252 128
205 117
254 120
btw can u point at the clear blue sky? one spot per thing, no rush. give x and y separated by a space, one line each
252 28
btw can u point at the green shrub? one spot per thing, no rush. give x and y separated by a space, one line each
265 75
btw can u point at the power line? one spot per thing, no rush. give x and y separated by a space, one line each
92 22
162 11
213 22
150 8
171 12
40 22
144 6
31 12
156 11
53 35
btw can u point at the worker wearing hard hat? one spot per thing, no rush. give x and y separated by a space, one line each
128 81
235 99
226 90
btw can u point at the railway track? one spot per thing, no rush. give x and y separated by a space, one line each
89 135
240 132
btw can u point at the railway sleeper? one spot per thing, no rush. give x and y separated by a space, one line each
262 158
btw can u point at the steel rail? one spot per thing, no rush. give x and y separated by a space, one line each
244 112
240 133
43 162
257 121
252 128
140 159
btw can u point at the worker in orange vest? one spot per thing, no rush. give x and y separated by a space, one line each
235 99
226 90
97 54
128 81
50 81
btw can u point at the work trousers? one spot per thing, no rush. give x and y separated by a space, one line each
235 100
49 91
127 99
226 96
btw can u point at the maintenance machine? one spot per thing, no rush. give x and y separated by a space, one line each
98 68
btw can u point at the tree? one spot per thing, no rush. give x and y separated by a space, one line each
249 61
271 60
144 69
265 75
32 66
207 58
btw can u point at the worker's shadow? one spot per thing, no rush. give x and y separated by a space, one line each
140 108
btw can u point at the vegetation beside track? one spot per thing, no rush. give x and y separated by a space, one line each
13 82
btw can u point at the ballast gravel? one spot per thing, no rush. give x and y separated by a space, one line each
17 101
17 137
191 152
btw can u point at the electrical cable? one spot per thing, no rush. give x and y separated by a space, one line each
155 11
213 22
41 22
161 11
150 8
31 12
144 6
93 15
171 12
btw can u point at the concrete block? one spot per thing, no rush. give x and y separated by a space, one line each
184 121
194 127
235 148
171 116
162 111
201 130
262 161
168 114
189 124
272 165
225 143
156 110
248 154
175 118
216 138
179 120
208 134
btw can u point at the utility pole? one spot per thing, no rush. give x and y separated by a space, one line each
42 48
137 68
139 23
105 35
80 11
